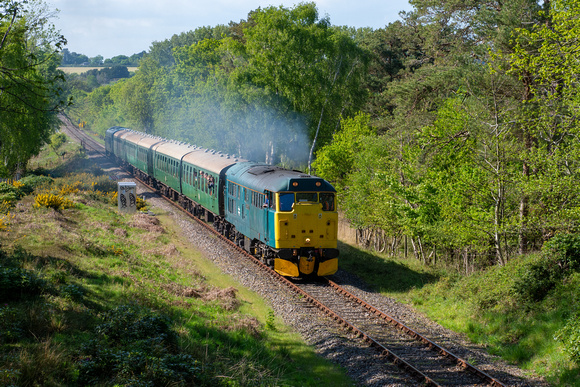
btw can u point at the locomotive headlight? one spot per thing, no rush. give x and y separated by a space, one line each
307 241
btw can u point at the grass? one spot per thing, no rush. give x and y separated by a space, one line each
92 297
490 307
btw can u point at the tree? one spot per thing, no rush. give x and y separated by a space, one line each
300 62
444 167
545 58
335 162
31 92
57 140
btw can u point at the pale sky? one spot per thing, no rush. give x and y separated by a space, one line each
126 27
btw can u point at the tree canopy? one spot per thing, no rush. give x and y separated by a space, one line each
270 88
31 88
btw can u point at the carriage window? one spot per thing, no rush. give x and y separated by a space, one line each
306 197
286 201
327 201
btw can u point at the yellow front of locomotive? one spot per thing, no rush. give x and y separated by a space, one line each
306 234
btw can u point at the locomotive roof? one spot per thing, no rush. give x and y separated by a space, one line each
115 129
268 177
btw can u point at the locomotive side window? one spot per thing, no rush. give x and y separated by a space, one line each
327 201
271 200
286 201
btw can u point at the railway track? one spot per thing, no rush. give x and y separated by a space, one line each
429 363
86 140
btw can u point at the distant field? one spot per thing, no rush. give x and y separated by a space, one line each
80 70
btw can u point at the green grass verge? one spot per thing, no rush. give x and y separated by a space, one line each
495 308
92 297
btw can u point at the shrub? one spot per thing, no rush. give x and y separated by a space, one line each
10 329
5 206
565 248
134 346
132 323
569 336
31 182
72 292
16 282
141 204
113 197
536 278
5 219
69 189
10 193
56 202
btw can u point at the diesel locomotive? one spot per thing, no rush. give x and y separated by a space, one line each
286 218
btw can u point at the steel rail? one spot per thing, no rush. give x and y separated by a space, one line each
409 331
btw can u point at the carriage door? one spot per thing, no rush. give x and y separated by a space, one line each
268 206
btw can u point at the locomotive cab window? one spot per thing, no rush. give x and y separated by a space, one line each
307 197
286 201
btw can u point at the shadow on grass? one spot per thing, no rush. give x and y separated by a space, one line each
570 377
74 163
383 274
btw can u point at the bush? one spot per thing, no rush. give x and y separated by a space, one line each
569 336
131 323
560 256
31 182
16 282
9 192
72 292
56 202
535 279
565 248
10 329
134 346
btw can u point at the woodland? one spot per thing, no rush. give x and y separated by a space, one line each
453 129
450 135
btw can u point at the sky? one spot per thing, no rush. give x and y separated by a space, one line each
126 27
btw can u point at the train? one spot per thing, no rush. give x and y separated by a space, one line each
285 218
